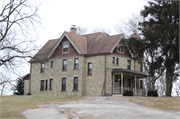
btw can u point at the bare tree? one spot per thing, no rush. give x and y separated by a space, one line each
176 88
100 29
18 20
161 85
81 30
129 26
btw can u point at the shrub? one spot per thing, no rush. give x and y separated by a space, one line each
153 93
128 93
28 93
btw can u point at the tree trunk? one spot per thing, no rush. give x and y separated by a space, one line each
153 84
169 78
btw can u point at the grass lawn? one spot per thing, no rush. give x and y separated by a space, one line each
12 106
162 103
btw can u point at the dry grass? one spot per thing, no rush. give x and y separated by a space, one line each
162 103
12 106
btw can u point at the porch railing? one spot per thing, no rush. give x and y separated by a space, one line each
137 92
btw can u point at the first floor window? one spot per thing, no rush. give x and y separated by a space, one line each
65 64
42 85
46 86
51 84
42 67
90 68
63 84
113 60
129 64
141 84
76 63
75 83
129 83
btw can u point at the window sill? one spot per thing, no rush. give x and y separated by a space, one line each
64 70
76 69
64 91
89 75
50 89
65 52
75 90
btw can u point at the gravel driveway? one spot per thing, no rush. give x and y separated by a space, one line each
98 108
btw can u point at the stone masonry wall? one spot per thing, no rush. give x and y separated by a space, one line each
26 87
57 74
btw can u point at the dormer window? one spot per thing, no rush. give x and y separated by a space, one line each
120 49
65 47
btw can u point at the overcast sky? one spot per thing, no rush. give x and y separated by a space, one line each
58 15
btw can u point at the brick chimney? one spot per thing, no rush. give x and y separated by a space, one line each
73 29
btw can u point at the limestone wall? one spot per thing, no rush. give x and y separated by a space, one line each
26 87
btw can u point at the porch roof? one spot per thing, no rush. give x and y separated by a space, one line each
134 73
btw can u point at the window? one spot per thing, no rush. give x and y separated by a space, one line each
117 61
75 83
129 64
65 64
65 47
90 68
120 49
129 83
63 84
113 60
141 83
42 85
52 64
141 67
76 63
46 86
51 84
42 67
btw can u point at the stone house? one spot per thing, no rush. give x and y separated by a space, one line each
85 65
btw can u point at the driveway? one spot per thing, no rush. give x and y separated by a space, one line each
98 108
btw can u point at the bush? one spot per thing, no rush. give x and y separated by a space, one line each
128 93
28 93
153 93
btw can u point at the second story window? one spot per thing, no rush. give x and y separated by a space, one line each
90 68
65 47
42 67
129 64
52 64
76 63
117 61
63 84
113 60
64 64
141 67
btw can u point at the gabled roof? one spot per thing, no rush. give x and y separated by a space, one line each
89 44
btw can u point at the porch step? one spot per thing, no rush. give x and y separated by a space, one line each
117 95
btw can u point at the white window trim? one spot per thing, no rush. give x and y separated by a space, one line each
68 47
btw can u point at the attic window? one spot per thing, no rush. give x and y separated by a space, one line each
65 47
120 49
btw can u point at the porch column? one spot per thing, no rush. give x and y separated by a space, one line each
135 86
146 87
121 83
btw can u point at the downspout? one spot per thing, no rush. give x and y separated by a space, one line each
30 79
134 64
104 83
82 74
105 75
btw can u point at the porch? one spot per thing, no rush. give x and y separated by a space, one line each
124 79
